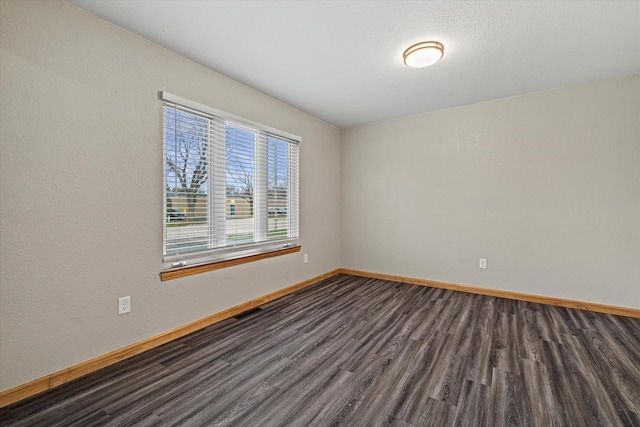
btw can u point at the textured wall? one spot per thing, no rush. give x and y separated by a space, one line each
81 190
545 186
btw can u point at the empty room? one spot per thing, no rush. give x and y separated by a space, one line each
313 213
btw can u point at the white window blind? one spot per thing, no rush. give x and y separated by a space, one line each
231 185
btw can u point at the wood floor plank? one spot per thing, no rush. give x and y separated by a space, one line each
351 397
633 419
452 377
538 387
301 395
509 406
587 384
619 375
505 352
473 404
426 328
480 368
138 404
368 352
424 379
528 334
436 414
301 402
621 337
392 390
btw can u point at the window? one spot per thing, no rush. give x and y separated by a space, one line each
230 185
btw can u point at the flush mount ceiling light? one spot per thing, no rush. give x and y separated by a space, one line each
423 54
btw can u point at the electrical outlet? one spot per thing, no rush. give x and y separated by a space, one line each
124 305
482 263
306 258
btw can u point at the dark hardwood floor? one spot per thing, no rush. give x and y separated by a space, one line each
368 352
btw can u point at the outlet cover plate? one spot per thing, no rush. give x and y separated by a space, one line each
124 305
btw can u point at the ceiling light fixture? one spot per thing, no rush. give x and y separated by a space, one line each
423 54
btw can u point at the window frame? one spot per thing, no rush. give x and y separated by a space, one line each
231 254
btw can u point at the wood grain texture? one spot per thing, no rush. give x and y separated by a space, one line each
541 299
216 265
56 379
367 352
23 391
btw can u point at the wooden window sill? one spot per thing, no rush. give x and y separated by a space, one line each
201 268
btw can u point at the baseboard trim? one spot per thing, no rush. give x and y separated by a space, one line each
589 306
48 382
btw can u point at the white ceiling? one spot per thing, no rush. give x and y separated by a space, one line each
341 61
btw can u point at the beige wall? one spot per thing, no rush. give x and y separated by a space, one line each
81 143
545 186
